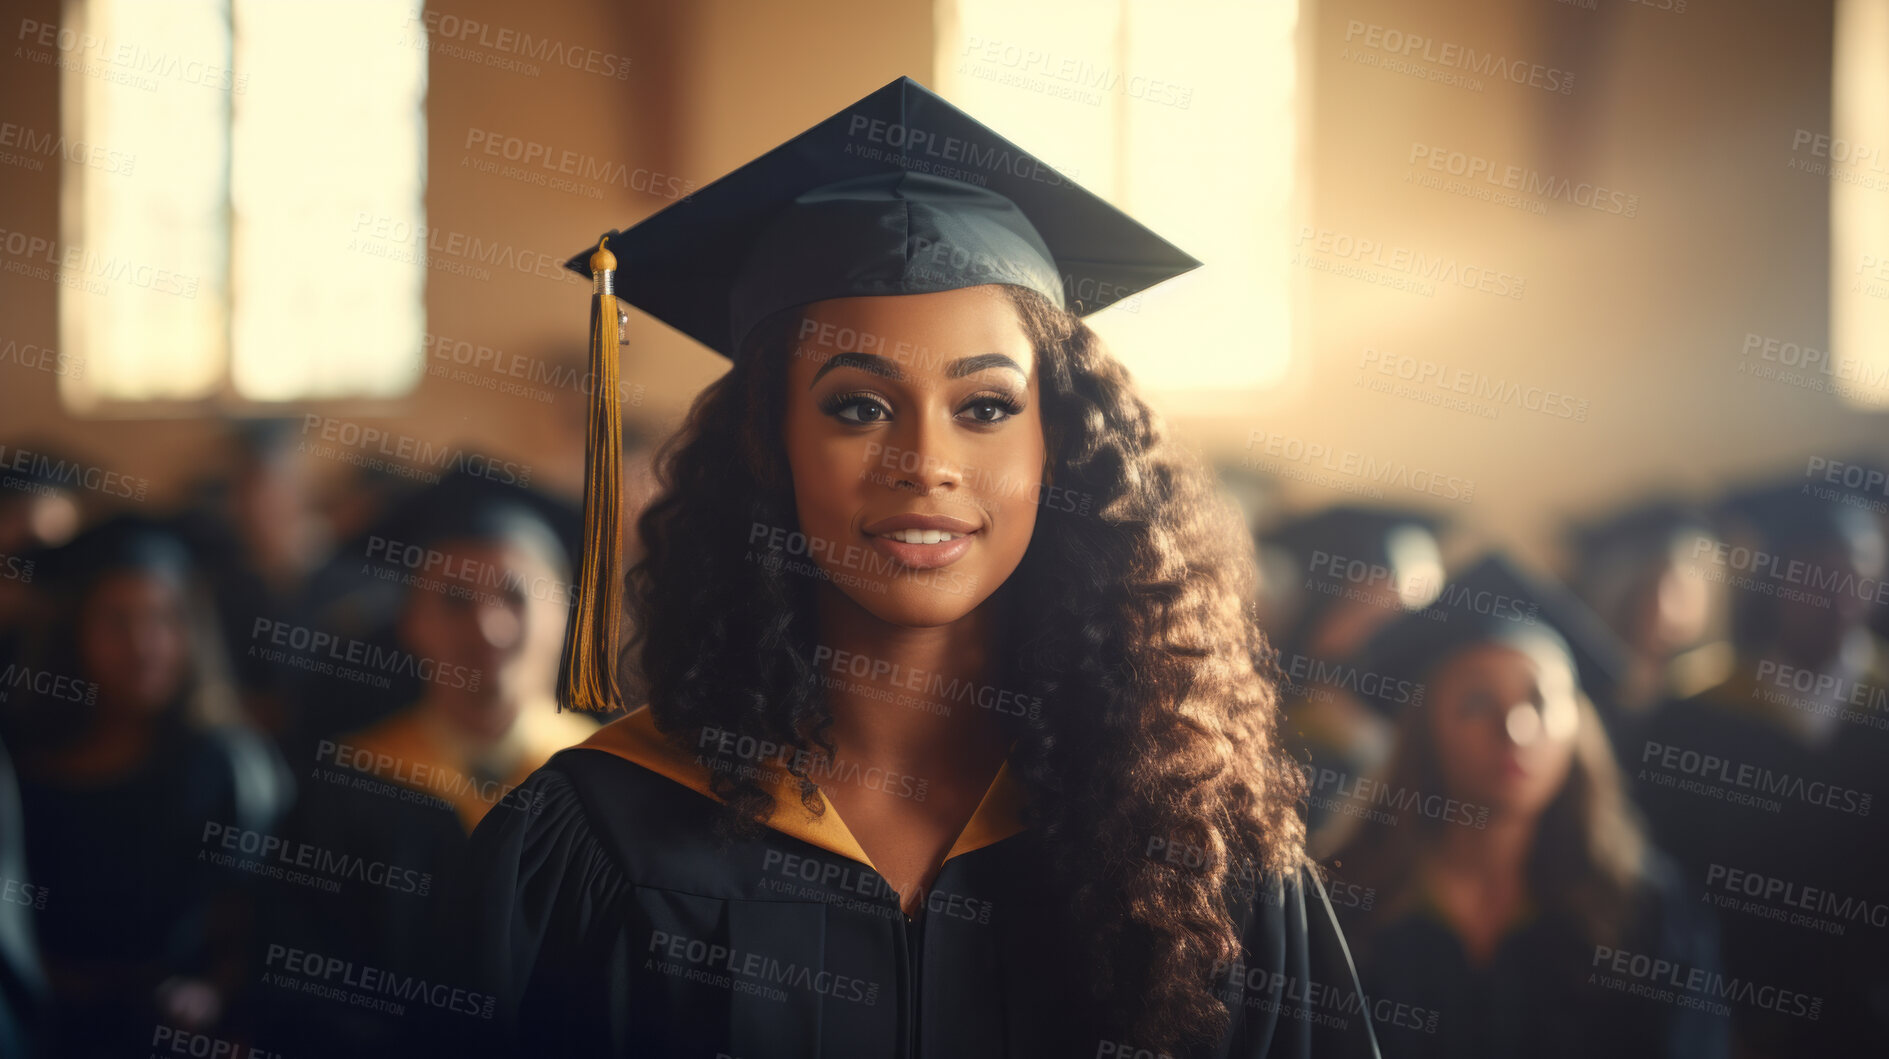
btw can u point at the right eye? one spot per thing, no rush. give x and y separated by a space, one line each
840 405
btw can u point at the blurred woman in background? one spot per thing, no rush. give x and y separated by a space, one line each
1515 870
122 726
486 587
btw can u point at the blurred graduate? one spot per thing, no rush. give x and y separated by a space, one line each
1504 865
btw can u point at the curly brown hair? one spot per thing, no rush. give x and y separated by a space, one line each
1159 713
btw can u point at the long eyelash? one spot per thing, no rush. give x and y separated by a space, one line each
1009 404
835 402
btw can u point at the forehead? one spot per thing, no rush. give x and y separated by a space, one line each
1518 658
921 333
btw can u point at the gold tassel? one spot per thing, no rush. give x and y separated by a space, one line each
592 639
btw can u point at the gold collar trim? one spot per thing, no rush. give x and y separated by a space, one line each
634 738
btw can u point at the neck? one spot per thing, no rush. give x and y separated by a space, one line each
1495 856
882 682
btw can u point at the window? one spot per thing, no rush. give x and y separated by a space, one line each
1193 133
1858 361
212 231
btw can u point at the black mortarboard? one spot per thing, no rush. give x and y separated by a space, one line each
1496 600
899 193
1371 534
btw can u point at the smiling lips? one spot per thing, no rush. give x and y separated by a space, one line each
922 542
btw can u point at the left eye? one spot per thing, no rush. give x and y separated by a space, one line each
1000 409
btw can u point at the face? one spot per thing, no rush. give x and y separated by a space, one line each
915 439
1503 720
505 620
133 641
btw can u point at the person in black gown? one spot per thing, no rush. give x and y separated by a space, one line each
129 749
1764 785
948 736
386 810
1514 894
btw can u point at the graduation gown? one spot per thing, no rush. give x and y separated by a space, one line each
611 924
1729 785
1541 994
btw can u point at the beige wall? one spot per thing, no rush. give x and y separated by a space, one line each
1642 318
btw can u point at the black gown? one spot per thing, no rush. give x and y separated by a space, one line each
610 924
1544 994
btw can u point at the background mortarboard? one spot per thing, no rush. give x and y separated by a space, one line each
1469 611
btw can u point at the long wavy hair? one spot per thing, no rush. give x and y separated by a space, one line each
1585 866
1139 636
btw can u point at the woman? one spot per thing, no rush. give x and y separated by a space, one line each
389 808
1515 896
123 729
949 738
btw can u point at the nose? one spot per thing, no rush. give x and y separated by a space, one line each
929 460
500 626
1523 724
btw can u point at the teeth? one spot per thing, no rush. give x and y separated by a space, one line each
918 536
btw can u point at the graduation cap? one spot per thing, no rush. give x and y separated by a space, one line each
899 193
1495 601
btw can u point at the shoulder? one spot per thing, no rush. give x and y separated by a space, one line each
1298 987
624 820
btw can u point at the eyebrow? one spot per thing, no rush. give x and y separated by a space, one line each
874 364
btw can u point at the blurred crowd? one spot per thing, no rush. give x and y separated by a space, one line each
1620 808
